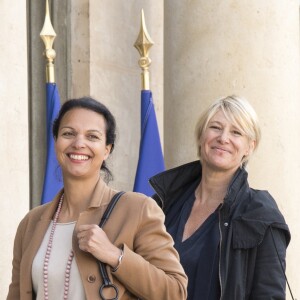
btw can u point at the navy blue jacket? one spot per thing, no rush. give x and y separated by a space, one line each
251 229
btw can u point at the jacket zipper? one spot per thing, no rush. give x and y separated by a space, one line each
220 253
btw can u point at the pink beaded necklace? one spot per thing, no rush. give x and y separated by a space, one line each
48 253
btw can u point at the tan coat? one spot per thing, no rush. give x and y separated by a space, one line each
150 268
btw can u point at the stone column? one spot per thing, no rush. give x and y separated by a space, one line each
249 48
14 155
115 74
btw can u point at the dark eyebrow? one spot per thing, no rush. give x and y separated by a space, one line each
89 131
67 127
95 131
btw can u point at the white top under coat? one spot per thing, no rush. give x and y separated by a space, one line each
62 245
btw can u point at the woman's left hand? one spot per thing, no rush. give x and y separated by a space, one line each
92 239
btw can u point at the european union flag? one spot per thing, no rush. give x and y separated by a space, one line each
151 159
53 179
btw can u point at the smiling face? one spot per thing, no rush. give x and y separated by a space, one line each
81 143
223 144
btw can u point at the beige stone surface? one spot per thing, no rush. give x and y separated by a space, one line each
115 74
14 175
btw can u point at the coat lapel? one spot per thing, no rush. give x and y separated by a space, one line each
85 261
35 242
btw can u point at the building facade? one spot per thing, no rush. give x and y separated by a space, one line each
203 50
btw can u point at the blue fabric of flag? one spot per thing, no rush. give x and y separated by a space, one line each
151 159
53 179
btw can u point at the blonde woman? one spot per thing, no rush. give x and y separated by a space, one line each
227 234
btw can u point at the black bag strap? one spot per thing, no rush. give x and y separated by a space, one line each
282 268
102 266
110 208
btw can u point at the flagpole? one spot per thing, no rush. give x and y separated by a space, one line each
143 44
52 178
151 159
48 36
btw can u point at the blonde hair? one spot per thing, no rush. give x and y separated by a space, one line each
238 111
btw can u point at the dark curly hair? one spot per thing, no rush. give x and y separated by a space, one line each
93 105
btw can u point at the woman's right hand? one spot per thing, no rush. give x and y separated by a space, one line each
92 239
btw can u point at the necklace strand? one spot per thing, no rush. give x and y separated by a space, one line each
47 257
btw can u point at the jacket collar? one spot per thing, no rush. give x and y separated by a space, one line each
52 206
101 196
171 183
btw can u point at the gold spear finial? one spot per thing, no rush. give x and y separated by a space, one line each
48 36
143 44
